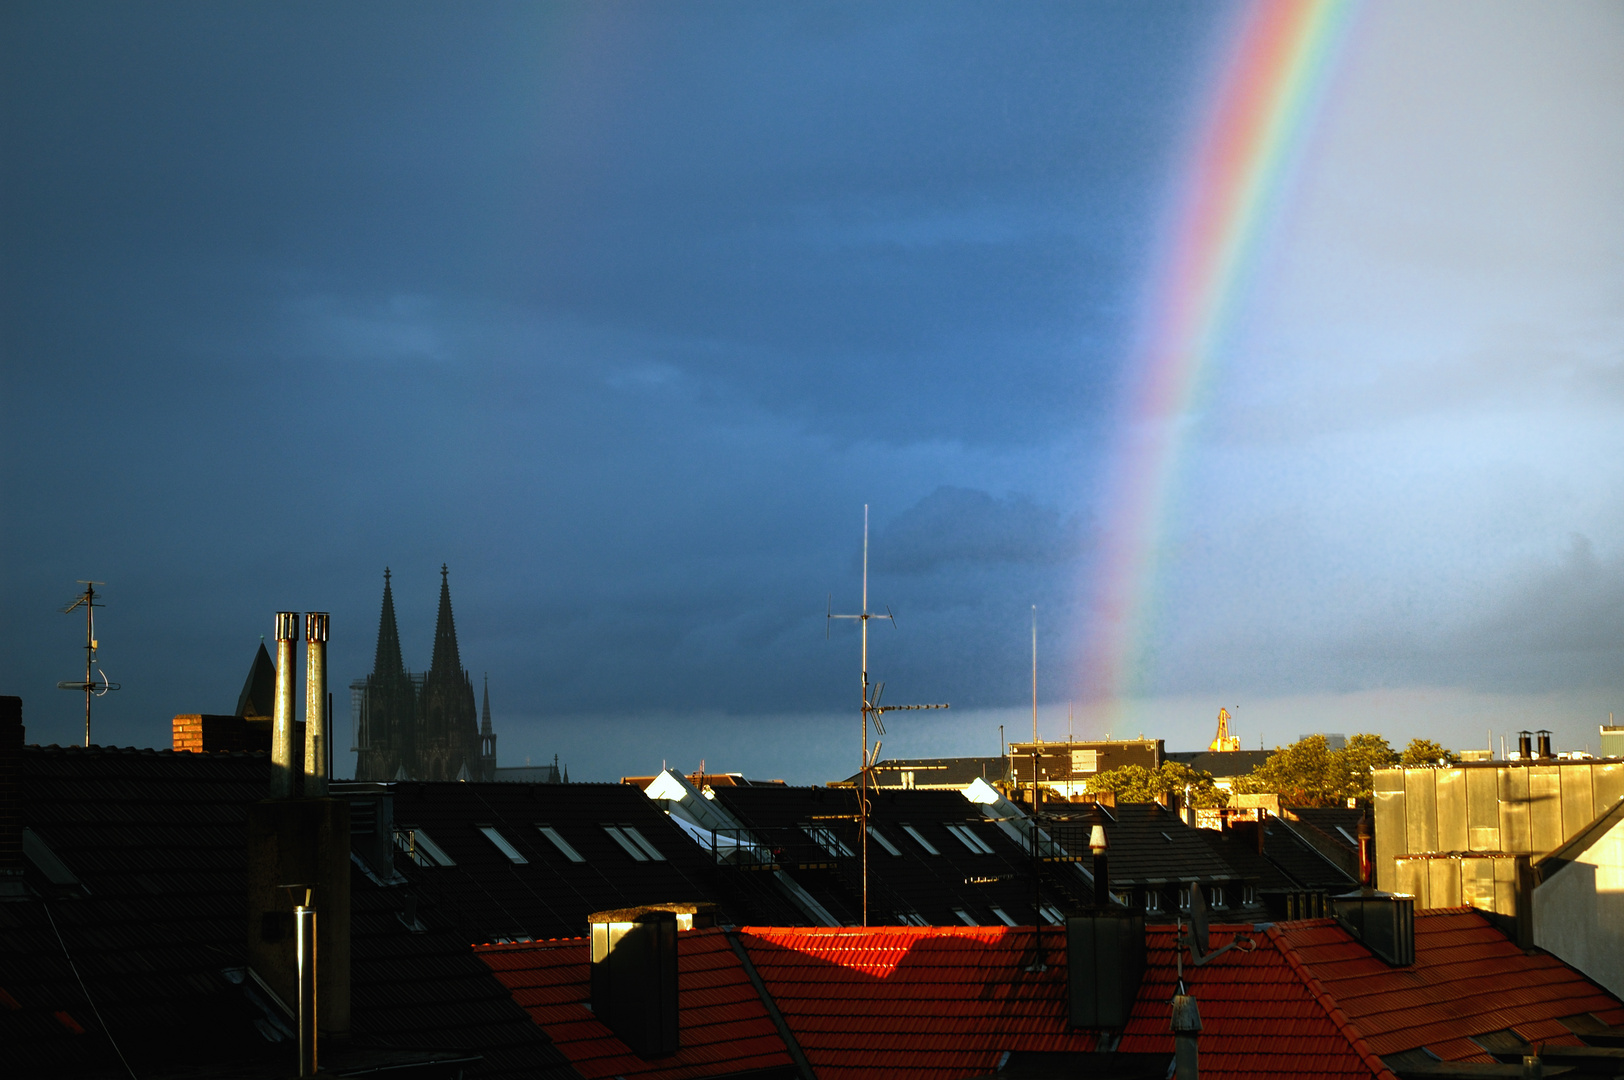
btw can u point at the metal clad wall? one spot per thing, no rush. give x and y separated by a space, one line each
1421 802
1544 808
1514 835
1451 784
1443 883
1410 878
1482 809
1578 800
1477 884
1607 783
1391 839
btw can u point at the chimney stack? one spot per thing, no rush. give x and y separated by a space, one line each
11 797
287 632
1366 863
634 977
316 733
1186 1030
1545 744
1525 745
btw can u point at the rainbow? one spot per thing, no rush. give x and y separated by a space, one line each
1275 64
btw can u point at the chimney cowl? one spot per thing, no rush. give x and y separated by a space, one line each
1545 744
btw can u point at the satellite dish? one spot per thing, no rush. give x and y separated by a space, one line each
1198 917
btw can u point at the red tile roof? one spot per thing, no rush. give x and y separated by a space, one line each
939 1003
725 1028
1468 979
917 1003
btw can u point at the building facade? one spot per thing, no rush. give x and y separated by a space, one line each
420 726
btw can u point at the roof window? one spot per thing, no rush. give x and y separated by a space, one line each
920 840
969 839
827 840
633 842
965 917
912 918
1052 914
560 843
423 851
879 838
1003 916
502 844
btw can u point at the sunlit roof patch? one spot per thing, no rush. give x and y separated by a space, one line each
560 843
501 843
920 840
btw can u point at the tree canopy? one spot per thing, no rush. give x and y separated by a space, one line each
1426 752
1135 783
1310 773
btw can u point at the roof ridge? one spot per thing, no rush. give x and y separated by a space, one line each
1323 996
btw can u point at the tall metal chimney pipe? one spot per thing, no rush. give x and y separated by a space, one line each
287 632
1525 745
315 747
1545 744
304 924
1366 867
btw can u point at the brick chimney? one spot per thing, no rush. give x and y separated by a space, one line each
11 796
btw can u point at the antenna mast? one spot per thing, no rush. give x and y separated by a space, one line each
89 686
872 711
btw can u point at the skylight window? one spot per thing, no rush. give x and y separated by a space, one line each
423 851
560 843
879 838
827 840
969 839
965 917
1052 914
1003 916
502 844
633 842
912 918
920 840
1350 838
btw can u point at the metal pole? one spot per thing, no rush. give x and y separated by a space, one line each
315 747
862 779
304 918
287 632
90 651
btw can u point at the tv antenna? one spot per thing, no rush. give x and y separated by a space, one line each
91 687
873 711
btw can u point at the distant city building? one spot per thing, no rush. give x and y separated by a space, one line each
421 726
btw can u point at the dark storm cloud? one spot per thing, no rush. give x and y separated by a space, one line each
954 524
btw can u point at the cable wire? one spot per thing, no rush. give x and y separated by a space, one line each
86 991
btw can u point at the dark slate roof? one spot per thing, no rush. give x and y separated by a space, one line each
1220 762
1299 859
955 772
1339 823
147 892
488 897
912 882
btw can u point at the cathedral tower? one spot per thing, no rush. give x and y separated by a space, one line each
449 749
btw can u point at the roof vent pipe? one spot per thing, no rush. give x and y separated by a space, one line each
1545 744
315 747
287 632
1525 745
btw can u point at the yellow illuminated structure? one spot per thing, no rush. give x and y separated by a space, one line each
1225 741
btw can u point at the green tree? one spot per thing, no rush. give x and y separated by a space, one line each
1426 752
1310 773
1135 783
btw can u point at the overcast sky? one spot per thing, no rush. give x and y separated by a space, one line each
624 311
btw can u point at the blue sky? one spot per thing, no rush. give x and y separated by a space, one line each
626 310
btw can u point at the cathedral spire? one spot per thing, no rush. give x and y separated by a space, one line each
485 713
446 661
388 661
